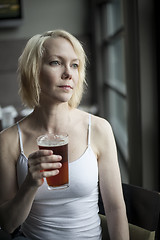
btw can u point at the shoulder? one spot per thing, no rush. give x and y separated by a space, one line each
8 133
102 136
101 126
9 142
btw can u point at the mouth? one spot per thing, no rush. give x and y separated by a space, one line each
65 87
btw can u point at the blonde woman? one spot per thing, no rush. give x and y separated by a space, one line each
51 79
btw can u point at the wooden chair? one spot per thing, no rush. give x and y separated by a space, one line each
143 212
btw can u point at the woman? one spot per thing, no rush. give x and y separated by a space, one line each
52 77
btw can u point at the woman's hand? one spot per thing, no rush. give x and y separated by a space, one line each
42 163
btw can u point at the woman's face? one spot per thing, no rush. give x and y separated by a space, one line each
59 71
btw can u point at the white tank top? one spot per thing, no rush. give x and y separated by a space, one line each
69 214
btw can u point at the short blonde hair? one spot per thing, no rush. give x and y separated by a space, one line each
29 66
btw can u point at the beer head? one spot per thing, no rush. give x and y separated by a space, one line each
52 140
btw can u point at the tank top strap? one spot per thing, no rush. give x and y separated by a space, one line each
89 130
20 137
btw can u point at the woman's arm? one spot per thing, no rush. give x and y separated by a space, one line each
15 204
110 182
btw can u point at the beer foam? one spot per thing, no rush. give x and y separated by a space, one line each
52 140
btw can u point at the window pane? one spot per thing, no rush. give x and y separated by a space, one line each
117 116
123 168
115 62
112 17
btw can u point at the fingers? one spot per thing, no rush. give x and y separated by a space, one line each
36 177
41 153
43 156
43 163
46 166
50 173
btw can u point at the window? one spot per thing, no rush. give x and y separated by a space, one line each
126 84
112 44
114 79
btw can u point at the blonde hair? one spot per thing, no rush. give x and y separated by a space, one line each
29 66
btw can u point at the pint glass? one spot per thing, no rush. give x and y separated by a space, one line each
58 143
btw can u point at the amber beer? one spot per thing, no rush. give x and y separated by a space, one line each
59 145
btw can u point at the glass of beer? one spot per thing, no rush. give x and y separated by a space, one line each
58 143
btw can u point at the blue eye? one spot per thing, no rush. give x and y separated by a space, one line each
75 65
54 63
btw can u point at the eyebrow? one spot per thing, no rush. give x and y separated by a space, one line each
61 57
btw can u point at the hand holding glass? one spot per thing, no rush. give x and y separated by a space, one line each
59 145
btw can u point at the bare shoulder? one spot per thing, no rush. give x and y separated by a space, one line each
101 127
9 152
8 134
102 137
9 143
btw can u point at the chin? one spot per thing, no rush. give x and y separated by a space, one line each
63 100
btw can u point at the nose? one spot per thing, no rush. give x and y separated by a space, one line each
67 74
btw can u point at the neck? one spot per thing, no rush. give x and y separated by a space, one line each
53 118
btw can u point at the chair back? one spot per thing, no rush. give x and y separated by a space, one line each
143 208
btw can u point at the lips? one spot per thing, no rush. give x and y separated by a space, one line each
65 87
